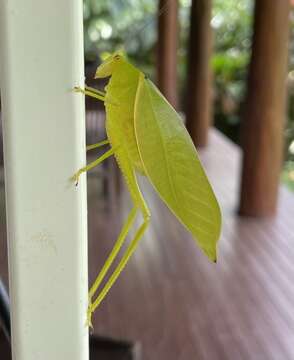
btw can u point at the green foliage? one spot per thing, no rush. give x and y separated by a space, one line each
232 20
288 171
232 23
110 25
288 174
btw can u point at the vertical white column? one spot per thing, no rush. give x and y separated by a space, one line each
44 144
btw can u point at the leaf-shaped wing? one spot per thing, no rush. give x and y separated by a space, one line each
172 165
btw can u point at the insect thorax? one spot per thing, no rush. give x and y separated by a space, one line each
121 92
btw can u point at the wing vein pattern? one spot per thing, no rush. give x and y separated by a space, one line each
164 153
172 165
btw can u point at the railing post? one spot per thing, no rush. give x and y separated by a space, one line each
44 144
199 79
264 117
167 49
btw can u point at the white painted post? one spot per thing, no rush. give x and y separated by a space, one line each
44 144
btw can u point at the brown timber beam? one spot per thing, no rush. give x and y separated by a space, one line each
264 117
167 49
199 79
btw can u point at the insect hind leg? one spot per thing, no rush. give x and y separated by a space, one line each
130 250
90 93
128 171
117 246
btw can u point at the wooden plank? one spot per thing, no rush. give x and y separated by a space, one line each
167 49
265 115
199 77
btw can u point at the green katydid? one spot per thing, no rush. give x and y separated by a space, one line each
147 136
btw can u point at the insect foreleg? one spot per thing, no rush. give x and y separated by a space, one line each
94 146
89 93
130 250
91 89
92 164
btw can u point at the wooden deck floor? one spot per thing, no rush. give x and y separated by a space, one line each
176 303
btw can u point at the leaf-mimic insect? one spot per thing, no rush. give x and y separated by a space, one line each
147 136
